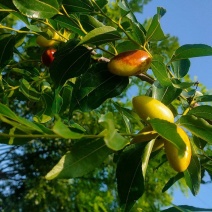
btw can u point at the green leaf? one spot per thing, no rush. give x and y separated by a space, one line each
37 8
165 94
126 46
159 70
7 43
130 180
181 85
202 111
101 35
197 126
45 114
79 6
168 131
69 63
85 156
185 208
193 174
192 50
181 67
28 91
203 98
112 138
95 86
64 131
200 143
155 32
172 181
89 22
27 124
69 23
137 32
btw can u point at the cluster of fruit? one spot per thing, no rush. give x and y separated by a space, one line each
132 63
149 108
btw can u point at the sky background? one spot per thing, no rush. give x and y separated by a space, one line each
191 22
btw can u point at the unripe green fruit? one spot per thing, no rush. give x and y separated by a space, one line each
130 63
148 107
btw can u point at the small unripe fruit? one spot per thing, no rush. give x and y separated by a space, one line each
178 163
130 63
48 56
44 42
148 107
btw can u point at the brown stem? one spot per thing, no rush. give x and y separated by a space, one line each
146 78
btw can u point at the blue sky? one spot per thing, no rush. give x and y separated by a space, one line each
191 22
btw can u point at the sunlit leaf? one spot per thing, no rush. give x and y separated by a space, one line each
168 131
192 50
160 71
186 208
80 6
64 131
101 35
202 111
84 157
37 8
155 32
203 98
111 137
197 126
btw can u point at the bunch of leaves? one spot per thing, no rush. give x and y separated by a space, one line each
78 82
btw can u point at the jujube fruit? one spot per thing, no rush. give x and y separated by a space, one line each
130 63
48 56
44 42
178 163
148 107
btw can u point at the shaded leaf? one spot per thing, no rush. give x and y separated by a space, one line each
37 8
172 181
95 86
89 22
84 157
70 63
28 91
197 126
80 6
203 98
130 180
111 137
181 67
165 94
7 43
193 174
192 50
101 35
185 208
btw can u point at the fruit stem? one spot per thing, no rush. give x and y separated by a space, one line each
146 78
